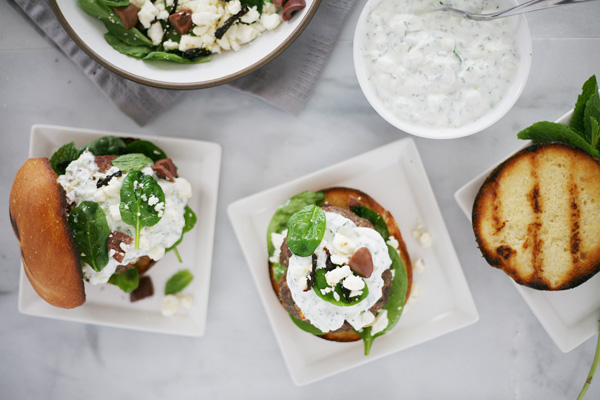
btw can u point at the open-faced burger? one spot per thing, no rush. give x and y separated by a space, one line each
103 213
338 265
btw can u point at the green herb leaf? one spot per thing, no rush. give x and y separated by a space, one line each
173 57
132 162
376 219
146 148
63 156
90 231
321 283
551 131
589 89
595 127
178 282
113 23
141 202
306 326
278 271
395 304
137 51
190 219
115 3
305 230
279 221
127 281
592 111
106 146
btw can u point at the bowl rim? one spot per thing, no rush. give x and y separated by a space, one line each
524 45
310 12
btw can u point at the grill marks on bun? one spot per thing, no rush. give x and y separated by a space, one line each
537 216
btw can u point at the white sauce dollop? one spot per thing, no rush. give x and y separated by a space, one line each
79 183
321 313
438 69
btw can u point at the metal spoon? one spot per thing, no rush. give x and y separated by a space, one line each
528 6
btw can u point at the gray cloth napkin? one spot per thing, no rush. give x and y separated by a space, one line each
286 82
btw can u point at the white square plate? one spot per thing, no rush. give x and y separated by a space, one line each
199 163
394 176
570 317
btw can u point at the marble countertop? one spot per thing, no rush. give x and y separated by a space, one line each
505 355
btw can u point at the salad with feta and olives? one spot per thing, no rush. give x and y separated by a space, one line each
127 206
338 265
186 31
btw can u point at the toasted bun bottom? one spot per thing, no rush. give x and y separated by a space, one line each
37 208
347 198
537 217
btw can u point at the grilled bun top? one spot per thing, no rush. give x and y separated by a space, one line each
37 208
340 200
537 216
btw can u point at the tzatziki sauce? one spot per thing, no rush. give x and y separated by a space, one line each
438 69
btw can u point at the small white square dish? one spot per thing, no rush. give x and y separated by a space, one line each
394 176
569 317
197 161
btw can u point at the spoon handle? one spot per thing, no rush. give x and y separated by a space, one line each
533 5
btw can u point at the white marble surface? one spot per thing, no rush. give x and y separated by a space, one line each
506 355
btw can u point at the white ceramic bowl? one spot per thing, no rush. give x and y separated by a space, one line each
88 32
525 53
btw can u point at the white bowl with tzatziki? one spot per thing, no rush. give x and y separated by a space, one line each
437 74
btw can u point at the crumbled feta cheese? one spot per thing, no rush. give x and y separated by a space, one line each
147 14
188 42
337 274
422 235
381 322
251 16
155 33
170 305
418 265
270 21
170 45
277 240
353 282
234 7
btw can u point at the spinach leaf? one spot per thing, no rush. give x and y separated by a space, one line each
131 162
551 131
595 126
127 281
115 3
178 282
279 221
90 231
305 230
112 22
592 111
106 146
306 326
589 89
137 51
344 301
63 156
166 56
253 3
278 271
376 219
146 148
395 304
141 202
190 220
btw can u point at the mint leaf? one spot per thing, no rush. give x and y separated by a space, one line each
589 89
63 156
595 131
131 162
178 282
554 132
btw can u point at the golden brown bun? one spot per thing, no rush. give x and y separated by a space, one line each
37 209
347 198
537 217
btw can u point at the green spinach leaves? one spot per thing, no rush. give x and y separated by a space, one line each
142 202
584 128
179 281
90 231
305 230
